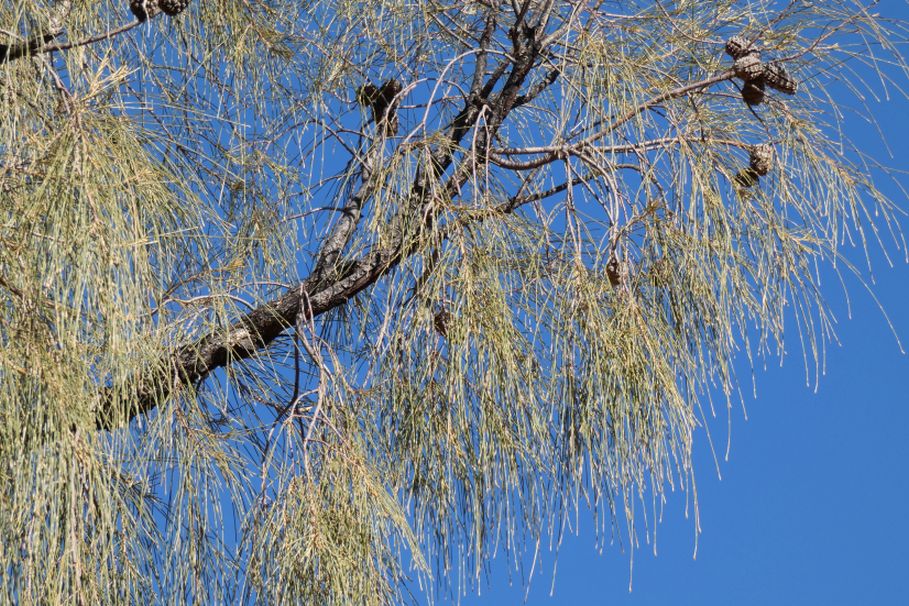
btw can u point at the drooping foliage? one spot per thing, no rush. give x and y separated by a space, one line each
301 300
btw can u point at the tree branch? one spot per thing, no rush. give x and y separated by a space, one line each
321 291
35 44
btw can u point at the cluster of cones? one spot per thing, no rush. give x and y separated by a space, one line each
757 74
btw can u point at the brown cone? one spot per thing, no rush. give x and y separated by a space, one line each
746 178
778 78
761 159
753 92
614 271
738 46
749 67
172 8
382 101
441 321
143 9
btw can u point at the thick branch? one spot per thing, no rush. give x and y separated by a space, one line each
321 292
343 230
250 334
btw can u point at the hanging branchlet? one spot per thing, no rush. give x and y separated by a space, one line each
382 100
660 272
231 227
52 28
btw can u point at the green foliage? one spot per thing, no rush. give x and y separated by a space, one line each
260 340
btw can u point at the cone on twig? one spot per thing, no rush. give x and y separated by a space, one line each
746 178
753 92
143 10
383 102
614 270
172 8
749 67
441 321
738 46
776 77
761 159
757 75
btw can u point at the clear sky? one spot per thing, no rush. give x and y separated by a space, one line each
811 507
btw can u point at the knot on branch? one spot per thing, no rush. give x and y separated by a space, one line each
525 37
477 100
242 341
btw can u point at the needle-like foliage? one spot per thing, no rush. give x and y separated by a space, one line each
300 301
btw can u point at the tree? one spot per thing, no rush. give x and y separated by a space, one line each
302 299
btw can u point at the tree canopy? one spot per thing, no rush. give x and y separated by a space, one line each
322 301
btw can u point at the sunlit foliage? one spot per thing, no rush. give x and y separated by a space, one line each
302 300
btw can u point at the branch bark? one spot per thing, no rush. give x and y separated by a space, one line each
35 43
323 290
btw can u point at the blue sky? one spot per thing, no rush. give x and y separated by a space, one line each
811 505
